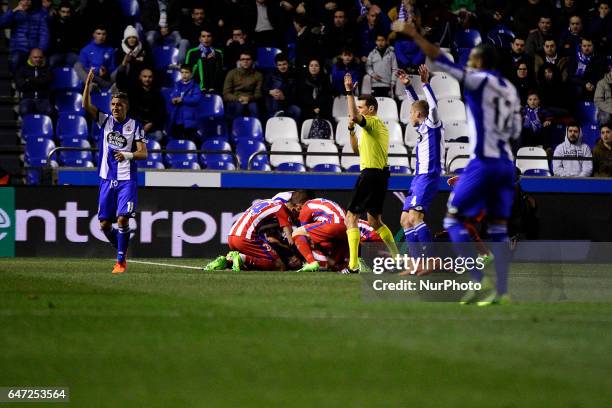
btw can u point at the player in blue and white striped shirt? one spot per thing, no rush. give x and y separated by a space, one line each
493 110
429 158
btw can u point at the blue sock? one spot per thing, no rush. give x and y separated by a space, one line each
111 235
459 235
423 234
498 233
413 242
123 239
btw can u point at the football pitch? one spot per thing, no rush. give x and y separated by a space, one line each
162 336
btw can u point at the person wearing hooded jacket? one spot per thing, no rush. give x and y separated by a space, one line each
602 153
603 99
130 59
572 147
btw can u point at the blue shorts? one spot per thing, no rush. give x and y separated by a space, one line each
486 184
423 189
117 199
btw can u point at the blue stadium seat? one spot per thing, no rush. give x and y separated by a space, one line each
69 102
38 149
296 167
327 168
220 165
246 148
102 101
291 52
71 126
260 166
169 77
36 126
153 145
246 127
213 159
164 56
213 128
186 164
265 57
151 164
35 169
467 38
590 134
65 79
176 159
399 169
586 113
355 168
536 172
211 105
75 158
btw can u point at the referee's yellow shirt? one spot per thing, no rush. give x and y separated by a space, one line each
374 144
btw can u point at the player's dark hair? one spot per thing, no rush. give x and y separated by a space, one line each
586 38
121 96
548 16
550 38
301 196
347 51
280 57
370 100
186 67
488 55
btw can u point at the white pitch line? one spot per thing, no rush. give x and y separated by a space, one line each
165 264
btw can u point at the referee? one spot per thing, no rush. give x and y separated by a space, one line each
371 188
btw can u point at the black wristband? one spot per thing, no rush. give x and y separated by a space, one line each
347 93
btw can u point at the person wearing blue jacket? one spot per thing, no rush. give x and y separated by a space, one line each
345 65
185 98
28 30
99 56
409 55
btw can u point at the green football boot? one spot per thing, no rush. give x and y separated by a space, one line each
237 263
495 299
310 267
219 263
472 296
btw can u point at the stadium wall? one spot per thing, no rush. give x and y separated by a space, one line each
194 222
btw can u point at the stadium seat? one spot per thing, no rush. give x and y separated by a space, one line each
590 134
405 112
102 101
164 56
586 113
35 125
467 38
213 128
306 130
35 169
265 57
387 108
398 164
451 109
151 164
71 126
220 165
286 145
501 37
65 79
453 153
245 150
75 158
213 159
445 86
395 131
347 161
458 165
280 127
343 138
246 127
327 168
532 164
455 129
366 85
321 146
293 167
260 166
340 108
94 135
411 136
169 77
186 164
38 148
153 156
211 105
176 159
415 81
537 173
69 102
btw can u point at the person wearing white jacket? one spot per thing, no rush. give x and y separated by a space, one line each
381 66
572 147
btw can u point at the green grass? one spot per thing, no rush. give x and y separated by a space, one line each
165 337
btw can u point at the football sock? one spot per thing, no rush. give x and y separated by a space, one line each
111 235
123 239
387 236
423 233
412 241
302 244
353 242
498 233
482 248
257 263
461 240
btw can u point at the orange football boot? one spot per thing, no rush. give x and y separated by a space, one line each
120 267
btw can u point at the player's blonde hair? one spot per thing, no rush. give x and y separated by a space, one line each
421 106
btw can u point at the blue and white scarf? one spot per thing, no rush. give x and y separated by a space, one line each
531 119
583 62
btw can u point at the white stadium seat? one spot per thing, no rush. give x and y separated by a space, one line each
398 148
342 133
458 165
532 164
348 161
405 111
280 127
451 109
321 146
411 136
340 107
366 85
454 150
387 108
415 81
286 145
395 131
454 129
306 129
445 86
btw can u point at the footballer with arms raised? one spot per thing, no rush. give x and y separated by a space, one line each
121 142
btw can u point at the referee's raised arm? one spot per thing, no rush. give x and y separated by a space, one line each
355 117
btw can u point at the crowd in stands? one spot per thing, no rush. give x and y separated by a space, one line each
168 55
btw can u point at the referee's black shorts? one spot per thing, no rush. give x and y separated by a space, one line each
370 192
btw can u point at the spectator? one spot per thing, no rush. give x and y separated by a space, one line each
147 105
381 67
565 11
516 56
315 92
207 63
64 31
554 93
602 153
191 30
535 39
242 89
185 98
572 148
409 56
279 89
534 122
131 58
603 99
99 56
105 13
524 81
600 27
236 45
526 17
160 21
306 44
28 30
345 64
570 38
264 18
584 70
339 35
551 56
368 30
33 81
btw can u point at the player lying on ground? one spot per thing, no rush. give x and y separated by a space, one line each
121 142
